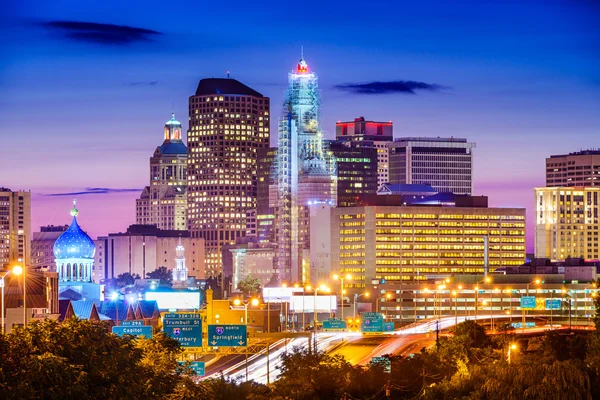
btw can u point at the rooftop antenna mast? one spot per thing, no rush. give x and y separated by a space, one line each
228 73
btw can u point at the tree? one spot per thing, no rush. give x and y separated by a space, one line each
250 286
473 333
163 274
312 375
597 305
126 279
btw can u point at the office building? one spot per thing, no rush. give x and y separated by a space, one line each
579 169
228 124
370 133
357 171
164 202
143 249
42 253
266 179
444 163
306 171
567 223
253 259
15 227
417 242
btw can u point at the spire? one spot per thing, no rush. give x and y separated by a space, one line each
302 66
302 52
74 211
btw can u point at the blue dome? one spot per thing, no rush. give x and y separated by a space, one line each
74 243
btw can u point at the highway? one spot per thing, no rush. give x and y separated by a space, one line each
358 349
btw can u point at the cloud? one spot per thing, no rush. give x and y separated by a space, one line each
148 83
107 34
93 191
377 87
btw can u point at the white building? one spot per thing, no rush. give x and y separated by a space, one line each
143 249
444 163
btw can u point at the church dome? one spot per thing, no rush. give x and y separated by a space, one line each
74 242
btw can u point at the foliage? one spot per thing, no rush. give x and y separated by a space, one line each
597 305
249 286
163 274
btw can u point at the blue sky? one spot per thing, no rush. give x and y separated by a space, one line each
85 108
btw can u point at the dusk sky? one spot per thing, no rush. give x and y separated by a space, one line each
83 106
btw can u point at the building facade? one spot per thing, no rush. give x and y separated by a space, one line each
370 133
228 124
164 202
444 163
567 223
15 227
253 259
579 169
415 243
143 249
357 172
42 252
306 170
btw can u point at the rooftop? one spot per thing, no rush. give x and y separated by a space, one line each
224 86
588 152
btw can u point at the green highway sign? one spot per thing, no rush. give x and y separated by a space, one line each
196 366
186 330
388 327
227 335
181 316
371 324
383 361
137 322
553 304
372 315
335 324
528 302
141 331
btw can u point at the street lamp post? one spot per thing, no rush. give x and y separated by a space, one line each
341 278
388 296
454 293
510 347
253 302
356 296
18 270
2 283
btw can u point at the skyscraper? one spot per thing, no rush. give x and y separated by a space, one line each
370 133
444 163
229 122
15 226
581 168
164 202
306 171
567 222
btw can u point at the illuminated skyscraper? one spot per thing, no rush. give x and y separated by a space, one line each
306 171
229 122
15 227
164 202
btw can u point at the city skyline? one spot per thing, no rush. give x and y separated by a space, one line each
497 82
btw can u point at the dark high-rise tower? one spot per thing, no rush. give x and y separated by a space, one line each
228 123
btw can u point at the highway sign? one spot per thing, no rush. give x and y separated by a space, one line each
388 326
371 324
187 330
384 361
519 325
335 324
137 322
372 315
528 302
227 335
553 304
140 331
196 366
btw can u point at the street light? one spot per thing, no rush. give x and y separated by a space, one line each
513 346
2 284
356 296
388 296
18 270
341 278
454 293
253 302
323 288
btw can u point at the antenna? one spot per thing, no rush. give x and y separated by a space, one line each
302 52
228 73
